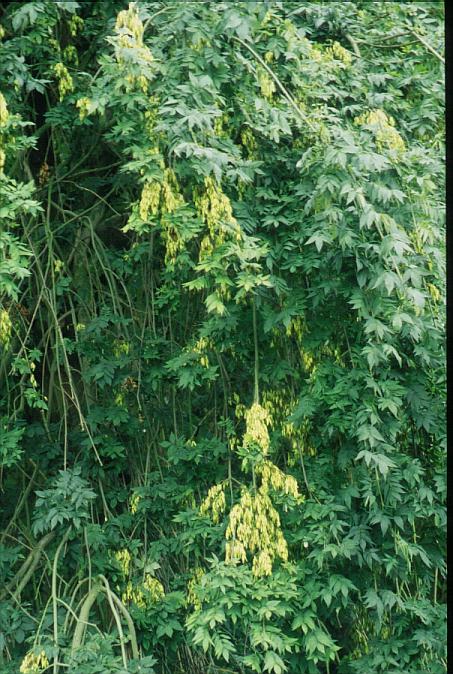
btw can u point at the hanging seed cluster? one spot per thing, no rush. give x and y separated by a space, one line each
191 595
249 143
75 25
383 127
254 527
214 504
339 53
272 476
266 84
34 663
161 199
135 500
4 116
257 420
214 208
65 82
147 593
6 327
280 408
123 557
130 29
200 348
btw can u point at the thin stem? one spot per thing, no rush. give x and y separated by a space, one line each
256 395
55 598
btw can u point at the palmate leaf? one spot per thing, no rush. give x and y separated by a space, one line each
379 461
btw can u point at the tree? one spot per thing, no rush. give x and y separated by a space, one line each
222 436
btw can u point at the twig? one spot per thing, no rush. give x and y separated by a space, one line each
284 91
427 45
54 598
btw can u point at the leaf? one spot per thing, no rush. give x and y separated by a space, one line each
380 461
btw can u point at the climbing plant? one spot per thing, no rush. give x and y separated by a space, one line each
222 376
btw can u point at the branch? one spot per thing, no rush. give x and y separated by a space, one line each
284 91
427 45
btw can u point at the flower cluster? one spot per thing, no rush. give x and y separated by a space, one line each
214 504
65 83
254 527
34 663
383 127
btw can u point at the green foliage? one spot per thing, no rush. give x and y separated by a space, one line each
222 317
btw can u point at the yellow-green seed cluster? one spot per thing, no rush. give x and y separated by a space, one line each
214 504
75 25
135 500
120 347
383 127
191 596
84 105
200 348
130 29
160 197
266 83
254 524
272 476
257 420
4 116
6 327
34 663
280 407
254 527
214 208
339 53
123 557
145 594
249 142
70 54
65 82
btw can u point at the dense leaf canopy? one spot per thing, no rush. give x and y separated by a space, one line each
222 437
